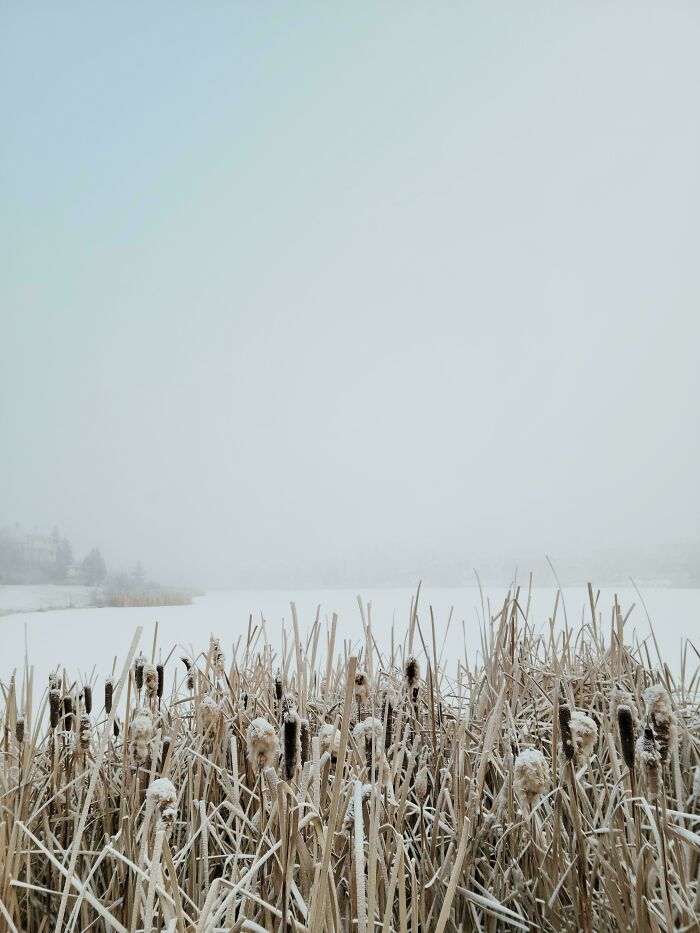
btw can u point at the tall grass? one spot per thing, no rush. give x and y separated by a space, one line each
338 789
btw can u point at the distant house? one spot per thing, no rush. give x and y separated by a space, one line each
40 549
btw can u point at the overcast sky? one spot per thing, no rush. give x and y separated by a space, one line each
283 284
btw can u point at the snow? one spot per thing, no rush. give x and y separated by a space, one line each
44 596
96 640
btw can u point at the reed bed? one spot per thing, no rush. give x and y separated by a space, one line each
551 784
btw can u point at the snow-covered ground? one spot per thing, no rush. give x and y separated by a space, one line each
89 640
43 596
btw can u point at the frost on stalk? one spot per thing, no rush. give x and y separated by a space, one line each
530 775
263 747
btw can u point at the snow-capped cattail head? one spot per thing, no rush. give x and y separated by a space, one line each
411 676
139 664
530 775
625 728
140 734
150 679
263 747
620 697
361 687
584 733
84 734
162 793
291 741
329 740
420 784
660 710
650 763
370 732
109 693
218 658
209 713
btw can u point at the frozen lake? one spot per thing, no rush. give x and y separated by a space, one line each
88 640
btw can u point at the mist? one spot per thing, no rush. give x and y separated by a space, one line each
308 293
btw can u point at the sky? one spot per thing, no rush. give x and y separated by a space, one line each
312 285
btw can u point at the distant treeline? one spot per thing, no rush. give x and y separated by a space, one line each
28 557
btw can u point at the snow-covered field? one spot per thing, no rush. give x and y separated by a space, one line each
43 596
89 640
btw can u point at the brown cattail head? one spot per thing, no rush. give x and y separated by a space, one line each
150 679
164 752
305 741
139 665
160 670
291 741
19 729
87 698
278 687
54 706
625 724
82 739
411 674
109 693
567 743
190 672
388 718
660 710
67 713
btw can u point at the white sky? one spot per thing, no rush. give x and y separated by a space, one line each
285 284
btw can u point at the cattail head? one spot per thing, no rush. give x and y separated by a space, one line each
584 733
621 697
263 747
625 727
329 740
370 732
218 658
84 734
162 796
160 671
530 775
150 679
389 703
164 751
109 694
291 741
140 734
411 676
87 698
19 729
278 687
650 762
305 741
190 672
660 710
67 713
54 706
361 687
567 742
420 784
139 664
209 714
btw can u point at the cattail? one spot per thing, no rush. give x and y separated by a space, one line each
150 679
115 728
53 681
663 718
140 734
625 725
291 741
87 698
84 734
361 687
620 697
389 703
162 794
567 744
160 670
371 733
54 706
164 752
139 664
67 713
650 762
329 740
278 687
305 741
19 729
109 694
218 658
584 733
411 675
190 672
263 747
530 775
420 784
209 713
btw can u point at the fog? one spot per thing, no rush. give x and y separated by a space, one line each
301 289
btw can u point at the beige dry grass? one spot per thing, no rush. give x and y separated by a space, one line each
169 811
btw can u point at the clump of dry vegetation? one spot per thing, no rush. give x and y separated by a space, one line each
553 784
